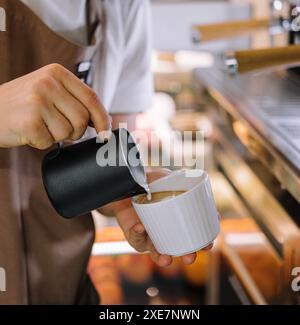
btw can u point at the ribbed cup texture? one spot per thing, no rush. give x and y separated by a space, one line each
184 224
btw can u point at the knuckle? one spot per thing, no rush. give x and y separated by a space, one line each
44 144
44 84
65 132
33 102
68 130
78 132
81 122
54 69
85 116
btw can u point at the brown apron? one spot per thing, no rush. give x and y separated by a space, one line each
44 256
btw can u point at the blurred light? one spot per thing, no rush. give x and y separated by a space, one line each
152 292
161 66
112 248
184 61
162 110
163 107
243 176
277 4
205 125
253 239
192 59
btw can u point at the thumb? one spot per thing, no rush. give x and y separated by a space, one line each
137 237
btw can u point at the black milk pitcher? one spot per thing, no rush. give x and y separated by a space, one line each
85 176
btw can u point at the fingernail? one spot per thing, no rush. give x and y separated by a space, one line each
188 260
139 229
165 260
105 135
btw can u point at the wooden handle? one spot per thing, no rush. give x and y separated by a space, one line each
251 60
204 33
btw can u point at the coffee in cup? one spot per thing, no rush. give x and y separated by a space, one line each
181 216
158 197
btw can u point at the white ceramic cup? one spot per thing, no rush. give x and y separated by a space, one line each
183 224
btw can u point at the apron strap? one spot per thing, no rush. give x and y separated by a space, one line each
95 17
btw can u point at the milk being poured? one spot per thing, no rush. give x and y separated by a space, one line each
147 189
140 176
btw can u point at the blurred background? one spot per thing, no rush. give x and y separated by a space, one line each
229 69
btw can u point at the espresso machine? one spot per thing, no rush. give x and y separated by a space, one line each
287 23
254 100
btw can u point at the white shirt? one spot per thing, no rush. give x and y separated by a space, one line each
128 85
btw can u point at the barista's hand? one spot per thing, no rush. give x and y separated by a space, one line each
135 232
48 106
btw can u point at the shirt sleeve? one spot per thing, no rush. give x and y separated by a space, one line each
134 87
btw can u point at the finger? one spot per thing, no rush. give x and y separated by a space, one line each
137 238
127 217
160 260
164 260
74 111
38 137
189 259
98 114
69 107
139 229
59 127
